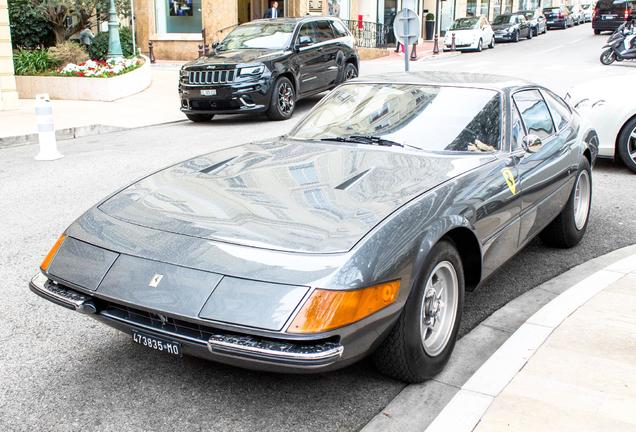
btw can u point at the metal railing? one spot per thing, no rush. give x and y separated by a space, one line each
371 35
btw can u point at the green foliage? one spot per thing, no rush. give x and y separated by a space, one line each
430 17
32 62
68 52
99 48
29 29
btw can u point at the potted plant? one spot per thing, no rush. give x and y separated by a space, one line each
429 24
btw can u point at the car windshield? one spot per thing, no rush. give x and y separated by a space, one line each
552 10
464 24
274 35
419 116
503 19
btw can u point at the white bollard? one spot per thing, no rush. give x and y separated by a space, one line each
46 130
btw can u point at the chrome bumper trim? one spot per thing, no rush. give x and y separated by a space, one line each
41 285
320 354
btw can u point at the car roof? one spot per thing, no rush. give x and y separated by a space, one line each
457 79
294 20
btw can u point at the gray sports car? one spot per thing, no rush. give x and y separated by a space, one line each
355 234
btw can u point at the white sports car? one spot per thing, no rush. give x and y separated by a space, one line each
609 104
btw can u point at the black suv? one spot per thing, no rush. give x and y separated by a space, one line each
608 15
268 65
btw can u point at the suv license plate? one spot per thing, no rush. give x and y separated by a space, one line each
208 92
158 344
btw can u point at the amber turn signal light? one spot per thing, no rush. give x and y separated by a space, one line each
49 257
329 309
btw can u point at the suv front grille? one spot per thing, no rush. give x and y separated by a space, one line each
211 77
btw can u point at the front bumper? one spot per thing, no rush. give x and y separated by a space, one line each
234 98
503 36
294 354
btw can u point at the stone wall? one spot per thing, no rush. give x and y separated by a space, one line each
8 93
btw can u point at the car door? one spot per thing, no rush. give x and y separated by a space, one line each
308 59
486 31
524 28
544 175
329 50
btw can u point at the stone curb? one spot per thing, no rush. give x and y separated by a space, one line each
456 398
72 132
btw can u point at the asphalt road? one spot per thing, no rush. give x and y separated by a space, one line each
62 371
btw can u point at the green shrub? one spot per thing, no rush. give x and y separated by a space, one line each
99 48
32 62
28 27
68 52
430 17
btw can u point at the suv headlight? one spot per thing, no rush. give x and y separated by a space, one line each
251 70
183 73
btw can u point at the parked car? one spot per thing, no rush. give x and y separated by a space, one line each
536 20
356 234
587 9
471 33
557 17
267 66
577 14
608 104
610 14
511 27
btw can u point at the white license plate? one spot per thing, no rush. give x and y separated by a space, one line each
159 344
549 22
208 92
607 17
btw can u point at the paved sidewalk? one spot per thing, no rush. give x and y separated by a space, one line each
583 378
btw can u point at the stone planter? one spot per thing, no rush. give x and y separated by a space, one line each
83 88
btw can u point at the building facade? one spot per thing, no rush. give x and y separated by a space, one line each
8 93
175 26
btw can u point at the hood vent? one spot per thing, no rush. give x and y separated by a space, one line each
216 166
350 182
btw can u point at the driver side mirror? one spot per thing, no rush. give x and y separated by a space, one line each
531 143
304 41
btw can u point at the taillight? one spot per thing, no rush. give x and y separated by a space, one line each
560 15
626 15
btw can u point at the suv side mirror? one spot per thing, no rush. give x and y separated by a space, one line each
531 143
215 44
304 41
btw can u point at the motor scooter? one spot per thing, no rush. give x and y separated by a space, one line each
621 45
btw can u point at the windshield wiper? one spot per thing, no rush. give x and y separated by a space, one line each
365 139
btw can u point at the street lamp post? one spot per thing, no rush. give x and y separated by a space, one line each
114 45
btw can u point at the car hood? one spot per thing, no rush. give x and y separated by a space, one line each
496 27
288 195
236 57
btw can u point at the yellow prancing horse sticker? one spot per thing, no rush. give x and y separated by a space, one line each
510 180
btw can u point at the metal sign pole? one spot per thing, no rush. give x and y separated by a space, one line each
407 31
407 42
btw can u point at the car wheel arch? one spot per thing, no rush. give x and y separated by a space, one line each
464 239
619 133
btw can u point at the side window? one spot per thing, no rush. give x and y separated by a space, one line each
339 29
324 32
560 111
517 129
307 29
534 113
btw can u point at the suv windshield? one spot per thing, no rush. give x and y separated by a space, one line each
613 4
420 116
258 35
503 19
464 24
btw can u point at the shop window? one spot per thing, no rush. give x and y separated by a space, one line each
484 8
178 16
471 8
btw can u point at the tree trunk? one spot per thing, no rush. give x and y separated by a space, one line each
60 34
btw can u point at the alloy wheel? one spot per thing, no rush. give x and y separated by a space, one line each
351 73
286 98
631 145
582 194
439 308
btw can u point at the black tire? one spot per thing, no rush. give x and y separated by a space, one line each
491 45
199 118
529 34
515 38
597 32
480 46
402 355
350 72
565 24
608 57
562 231
283 101
535 31
626 146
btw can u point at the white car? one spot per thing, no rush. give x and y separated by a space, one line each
609 105
472 33
587 9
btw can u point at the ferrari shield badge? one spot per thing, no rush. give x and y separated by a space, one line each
154 281
510 180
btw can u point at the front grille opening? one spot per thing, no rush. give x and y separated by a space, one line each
211 77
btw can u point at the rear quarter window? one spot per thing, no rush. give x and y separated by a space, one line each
560 112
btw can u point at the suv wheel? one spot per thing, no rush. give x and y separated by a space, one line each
515 38
350 71
199 118
283 102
